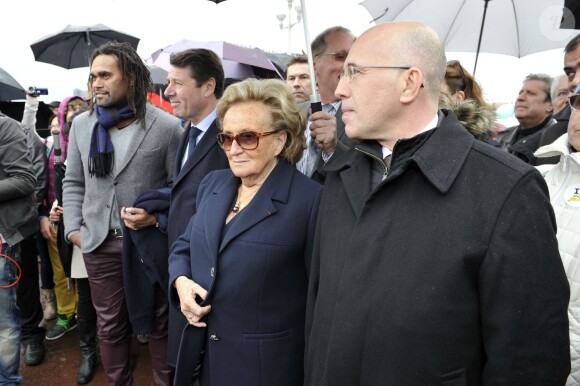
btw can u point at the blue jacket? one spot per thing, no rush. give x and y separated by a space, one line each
256 276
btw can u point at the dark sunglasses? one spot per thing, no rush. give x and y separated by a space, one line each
574 102
459 67
247 140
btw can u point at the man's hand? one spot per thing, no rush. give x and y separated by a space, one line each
323 131
187 290
45 228
137 218
75 238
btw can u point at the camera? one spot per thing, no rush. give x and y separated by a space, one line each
33 91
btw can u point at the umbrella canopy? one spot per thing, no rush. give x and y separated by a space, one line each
509 27
9 88
238 62
571 16
73 46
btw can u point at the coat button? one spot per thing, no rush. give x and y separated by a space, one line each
214 337
114 182
108 206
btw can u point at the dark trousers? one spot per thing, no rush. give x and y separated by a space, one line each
104 267
28 294
46 274
85 308
162 372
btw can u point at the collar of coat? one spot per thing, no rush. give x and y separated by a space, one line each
439 154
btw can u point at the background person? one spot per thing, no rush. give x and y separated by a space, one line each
17 221
533 110
564 184
298 78
246 251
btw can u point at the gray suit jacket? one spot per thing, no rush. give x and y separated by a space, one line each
147 165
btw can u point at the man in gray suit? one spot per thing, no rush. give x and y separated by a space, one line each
325 128
118 150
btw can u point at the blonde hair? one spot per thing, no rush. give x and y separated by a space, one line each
286 115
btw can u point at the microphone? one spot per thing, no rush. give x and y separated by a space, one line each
56 145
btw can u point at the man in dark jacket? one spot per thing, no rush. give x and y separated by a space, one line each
17 222
195 84
435 257
533 110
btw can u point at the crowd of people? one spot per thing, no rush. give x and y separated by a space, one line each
399 236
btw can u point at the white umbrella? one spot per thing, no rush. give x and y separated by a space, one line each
509 27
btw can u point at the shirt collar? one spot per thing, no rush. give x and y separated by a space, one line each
207 121
430 126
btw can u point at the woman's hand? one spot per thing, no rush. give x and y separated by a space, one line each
187 290
55 213
45 230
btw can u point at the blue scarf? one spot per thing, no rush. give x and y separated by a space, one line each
101 150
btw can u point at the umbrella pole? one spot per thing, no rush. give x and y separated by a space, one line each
315 103
480 36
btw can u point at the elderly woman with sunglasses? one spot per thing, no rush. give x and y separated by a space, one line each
240 271
563 181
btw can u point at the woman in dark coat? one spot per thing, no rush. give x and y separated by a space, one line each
245 255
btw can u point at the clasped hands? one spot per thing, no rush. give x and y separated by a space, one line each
187 290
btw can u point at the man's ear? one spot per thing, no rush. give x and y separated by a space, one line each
413 83
209 87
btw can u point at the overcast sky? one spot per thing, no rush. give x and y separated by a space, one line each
246 22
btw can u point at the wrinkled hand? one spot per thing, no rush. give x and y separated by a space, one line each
187 289
45 228
137 218
323 131
75 238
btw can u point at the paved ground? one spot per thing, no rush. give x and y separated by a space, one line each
62 360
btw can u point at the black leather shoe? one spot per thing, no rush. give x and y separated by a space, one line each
87 368
33 354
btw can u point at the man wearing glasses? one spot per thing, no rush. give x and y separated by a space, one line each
435 258
325 128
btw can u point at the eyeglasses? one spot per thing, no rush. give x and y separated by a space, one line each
339 56
459 67
352 71
247 140
574 102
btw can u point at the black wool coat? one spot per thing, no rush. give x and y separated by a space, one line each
447 272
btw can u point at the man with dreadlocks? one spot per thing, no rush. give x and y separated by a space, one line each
119 149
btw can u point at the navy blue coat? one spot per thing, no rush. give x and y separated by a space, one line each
256 277
207 157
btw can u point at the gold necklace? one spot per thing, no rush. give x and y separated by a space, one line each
259 183
237 207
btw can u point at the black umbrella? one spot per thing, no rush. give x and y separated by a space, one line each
571 15
72 47
9 88
65 249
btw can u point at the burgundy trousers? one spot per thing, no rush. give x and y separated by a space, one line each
105 271
114 331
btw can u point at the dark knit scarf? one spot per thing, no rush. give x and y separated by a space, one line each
101 151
